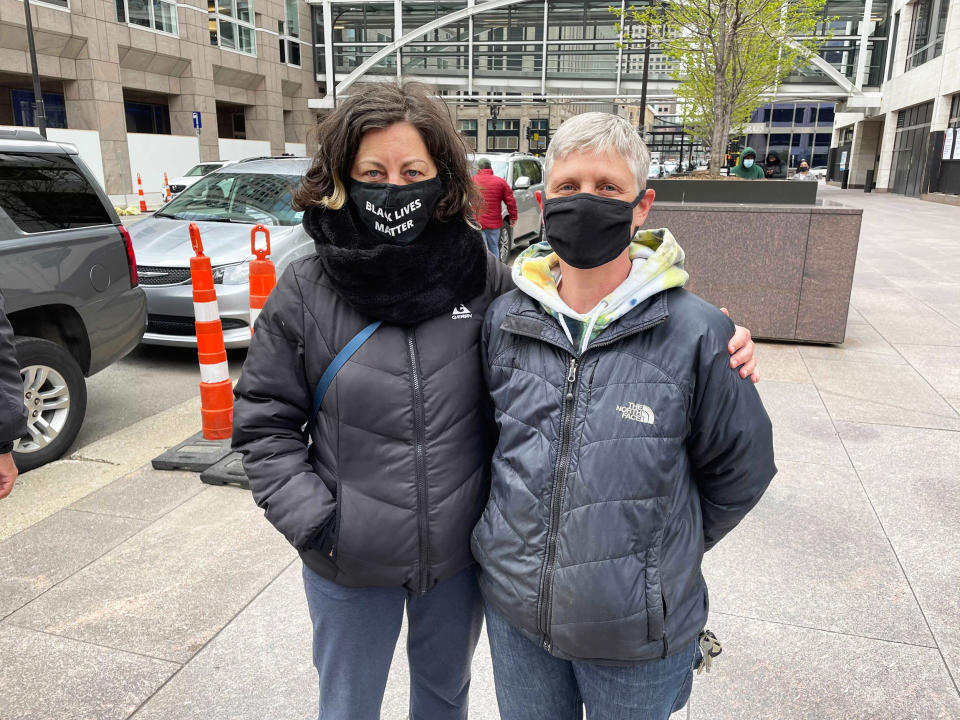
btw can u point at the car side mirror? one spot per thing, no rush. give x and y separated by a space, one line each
522 183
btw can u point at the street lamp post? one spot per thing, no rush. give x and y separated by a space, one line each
39 115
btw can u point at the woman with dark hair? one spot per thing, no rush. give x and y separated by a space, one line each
381 503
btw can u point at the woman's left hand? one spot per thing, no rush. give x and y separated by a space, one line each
741 349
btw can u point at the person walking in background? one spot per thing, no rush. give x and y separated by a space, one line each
804 174
746 167
626 448
776 168
13 413
495 190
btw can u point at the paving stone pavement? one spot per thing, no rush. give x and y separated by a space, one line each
128 593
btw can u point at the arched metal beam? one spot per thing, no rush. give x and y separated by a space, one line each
475 9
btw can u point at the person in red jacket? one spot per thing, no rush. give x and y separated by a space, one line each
495 190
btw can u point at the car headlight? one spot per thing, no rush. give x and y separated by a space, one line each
236 274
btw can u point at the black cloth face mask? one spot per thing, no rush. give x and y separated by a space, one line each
586 230
396 213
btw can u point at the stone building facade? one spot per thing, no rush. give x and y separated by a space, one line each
147 66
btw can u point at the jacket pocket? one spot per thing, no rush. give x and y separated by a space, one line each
656 607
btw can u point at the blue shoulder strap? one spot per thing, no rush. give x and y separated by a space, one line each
338 362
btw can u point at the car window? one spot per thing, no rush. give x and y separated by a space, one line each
531 168
42 192
516 171
499 167
200 170
238 197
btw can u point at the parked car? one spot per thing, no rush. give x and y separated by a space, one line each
655 170
525 175
225 205
179 184
69 276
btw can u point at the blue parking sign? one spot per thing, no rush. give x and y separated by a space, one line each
196 120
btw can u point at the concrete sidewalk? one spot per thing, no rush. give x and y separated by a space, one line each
127 592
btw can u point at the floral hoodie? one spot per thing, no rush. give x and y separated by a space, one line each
657 266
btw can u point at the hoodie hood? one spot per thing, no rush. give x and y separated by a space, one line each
746 151
657 265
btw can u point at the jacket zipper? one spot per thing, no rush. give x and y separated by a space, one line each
545 608
420 457
553 531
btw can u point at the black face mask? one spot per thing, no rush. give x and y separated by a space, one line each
586 230
396 213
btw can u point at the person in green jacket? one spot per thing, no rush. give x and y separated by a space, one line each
746 167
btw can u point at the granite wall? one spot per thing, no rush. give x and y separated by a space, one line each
785 271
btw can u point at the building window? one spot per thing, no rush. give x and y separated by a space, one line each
954 120
929 23
468 128
538 134
503 135
54 109
231 25
56 3
147 118
159 15
893 44
289 31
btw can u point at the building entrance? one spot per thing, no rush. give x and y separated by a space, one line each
910 149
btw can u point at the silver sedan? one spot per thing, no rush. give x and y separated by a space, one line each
225 205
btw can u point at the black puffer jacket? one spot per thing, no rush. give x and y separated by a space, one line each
13 413
614 471
400 453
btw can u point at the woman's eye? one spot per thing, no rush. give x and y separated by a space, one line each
372 173
610 188
565 188
414 173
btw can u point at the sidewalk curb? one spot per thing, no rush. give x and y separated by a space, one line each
53 487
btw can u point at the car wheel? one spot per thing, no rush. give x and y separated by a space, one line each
55 394
505 243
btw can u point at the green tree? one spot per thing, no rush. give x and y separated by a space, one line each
727 56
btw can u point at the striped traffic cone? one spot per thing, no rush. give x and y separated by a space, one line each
263 275
216 388
143 203
166 189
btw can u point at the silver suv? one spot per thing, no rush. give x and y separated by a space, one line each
524 173
69 277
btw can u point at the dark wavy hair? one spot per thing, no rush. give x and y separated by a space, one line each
378 105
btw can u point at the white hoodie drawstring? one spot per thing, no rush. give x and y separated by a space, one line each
589 331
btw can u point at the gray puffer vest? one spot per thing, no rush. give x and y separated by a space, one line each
399 463
614 471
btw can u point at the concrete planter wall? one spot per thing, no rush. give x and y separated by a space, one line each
785 272
764 192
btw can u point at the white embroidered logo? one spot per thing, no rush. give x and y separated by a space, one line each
636 412
461 313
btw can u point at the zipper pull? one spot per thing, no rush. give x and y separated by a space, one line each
572 375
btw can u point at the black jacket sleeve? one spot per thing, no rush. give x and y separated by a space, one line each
13 413
731 440
273 402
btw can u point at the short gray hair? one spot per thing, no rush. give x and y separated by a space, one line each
600 133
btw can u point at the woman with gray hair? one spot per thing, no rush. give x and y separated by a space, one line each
626 448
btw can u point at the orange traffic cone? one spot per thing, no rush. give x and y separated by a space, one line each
166 189
263 275
143 203
216 388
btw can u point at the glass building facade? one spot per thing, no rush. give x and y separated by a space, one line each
558 47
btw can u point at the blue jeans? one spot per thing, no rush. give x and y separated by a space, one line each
492 240
534 685
355 632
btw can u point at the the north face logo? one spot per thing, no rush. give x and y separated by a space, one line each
636 412
461 313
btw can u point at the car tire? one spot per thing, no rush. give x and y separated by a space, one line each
505 242
55 416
